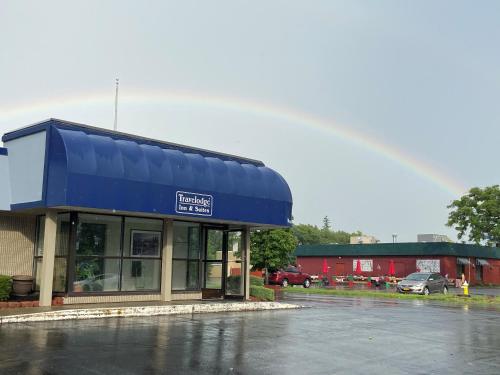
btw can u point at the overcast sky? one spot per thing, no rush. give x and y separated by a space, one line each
255 78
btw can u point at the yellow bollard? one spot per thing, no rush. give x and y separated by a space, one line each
465 286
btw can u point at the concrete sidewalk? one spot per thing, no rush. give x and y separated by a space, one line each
72 312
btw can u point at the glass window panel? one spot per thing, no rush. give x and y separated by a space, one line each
180 250
179 269
136 230
181 231
96 275
98 235
59 280
194 253
213 279
62 236
194 275
141 274
479 272
235 244
186 240
38 271
194 242
234 283
214 244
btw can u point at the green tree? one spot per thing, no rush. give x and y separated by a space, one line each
312 235
326 224
477 214
307 234
272 248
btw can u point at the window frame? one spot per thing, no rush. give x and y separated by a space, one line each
71 256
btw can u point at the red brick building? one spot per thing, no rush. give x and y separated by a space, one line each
480 264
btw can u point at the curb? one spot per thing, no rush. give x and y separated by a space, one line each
121 312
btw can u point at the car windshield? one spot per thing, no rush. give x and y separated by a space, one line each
418 276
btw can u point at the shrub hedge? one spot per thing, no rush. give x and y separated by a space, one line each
5 287
257 281
262 293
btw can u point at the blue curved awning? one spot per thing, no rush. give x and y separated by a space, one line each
100 169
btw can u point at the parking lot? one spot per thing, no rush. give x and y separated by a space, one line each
334 335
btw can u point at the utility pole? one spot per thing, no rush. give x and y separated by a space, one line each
115 126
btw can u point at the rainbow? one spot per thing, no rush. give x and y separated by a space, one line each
222 103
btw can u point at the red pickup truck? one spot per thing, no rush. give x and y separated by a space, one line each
290 276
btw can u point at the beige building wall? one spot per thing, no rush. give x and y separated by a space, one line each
187 296
17 242
111 299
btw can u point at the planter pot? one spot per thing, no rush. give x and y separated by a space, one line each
22 285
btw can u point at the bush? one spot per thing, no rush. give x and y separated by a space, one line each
5 287
262 293
256 280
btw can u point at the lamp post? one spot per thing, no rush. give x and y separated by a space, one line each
394 238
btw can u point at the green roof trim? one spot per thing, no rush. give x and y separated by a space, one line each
400 249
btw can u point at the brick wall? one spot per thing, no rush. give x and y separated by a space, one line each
17 241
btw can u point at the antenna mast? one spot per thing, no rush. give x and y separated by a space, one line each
115 126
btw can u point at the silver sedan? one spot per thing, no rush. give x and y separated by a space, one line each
423 283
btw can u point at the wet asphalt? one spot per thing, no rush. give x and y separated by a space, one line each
334 336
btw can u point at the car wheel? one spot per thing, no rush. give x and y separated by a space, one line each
307 283
445 290
426 291
284 283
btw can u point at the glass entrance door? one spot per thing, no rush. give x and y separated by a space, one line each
224 273
213 263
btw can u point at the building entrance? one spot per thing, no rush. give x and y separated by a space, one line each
223 266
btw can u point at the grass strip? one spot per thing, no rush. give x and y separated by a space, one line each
262 293
452 298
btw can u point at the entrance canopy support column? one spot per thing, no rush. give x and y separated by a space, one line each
166 262
49 251
246 249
